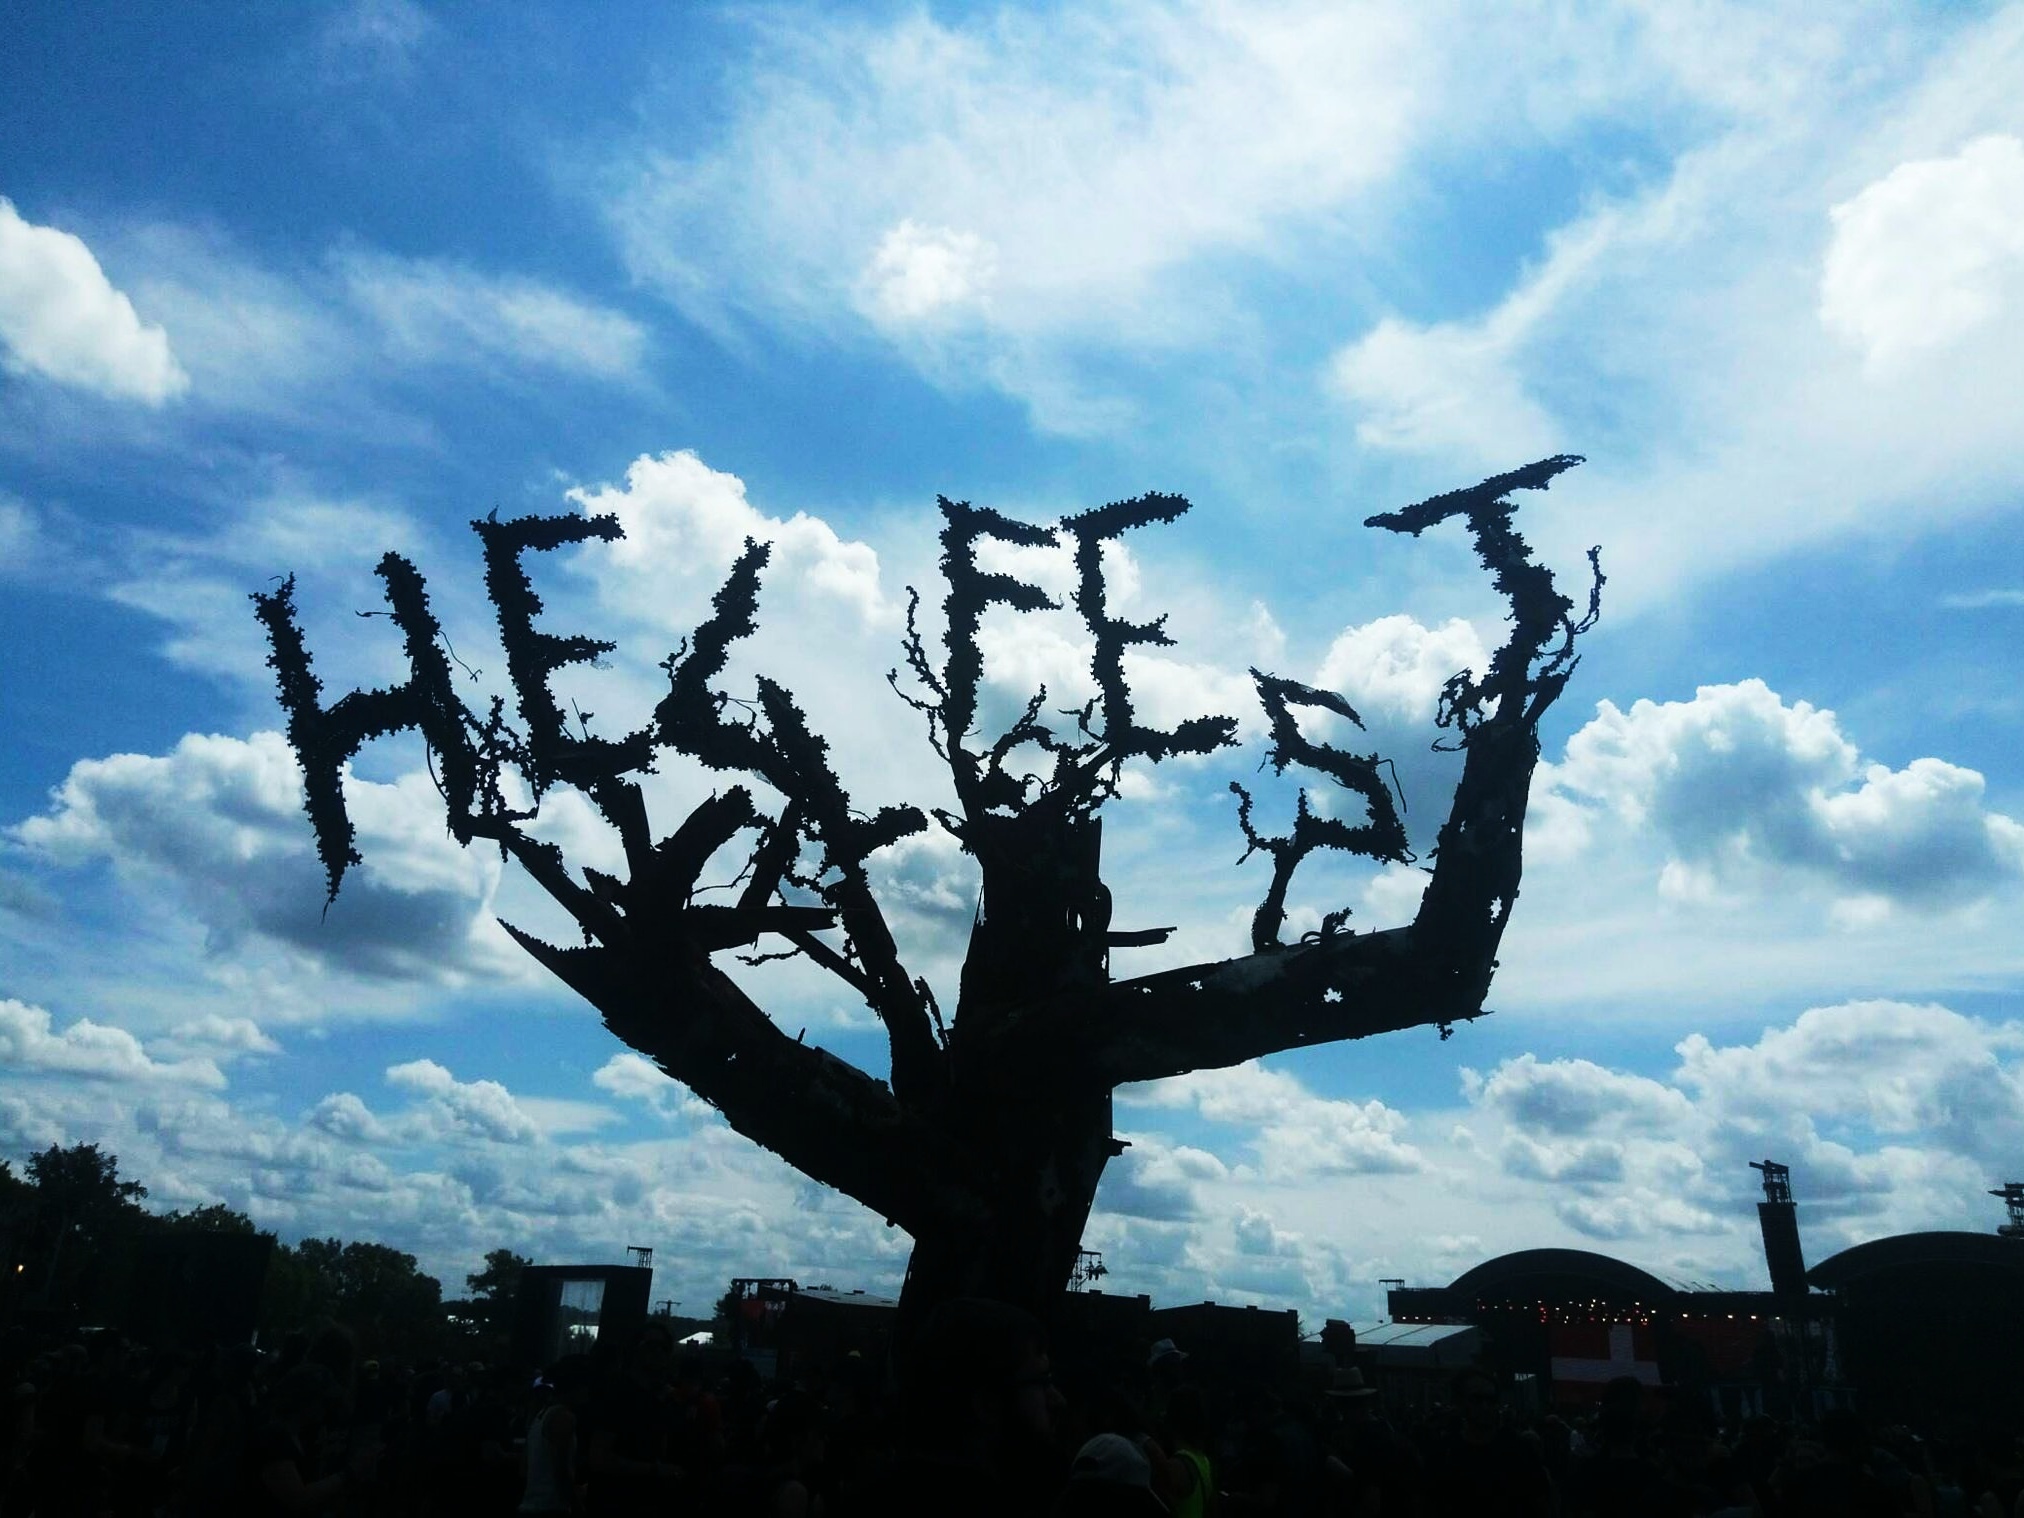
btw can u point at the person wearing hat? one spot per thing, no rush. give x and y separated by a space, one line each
1367 1458
1485 1468
1110 1476
1166 1365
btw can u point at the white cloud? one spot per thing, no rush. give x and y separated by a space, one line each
634 1078
20 536
1638 1214
256 339
343 1115
922 273
1297 1133
438 311
196 583
219 821
1394 667
1257 1235
61 318
295 527
1887 1112
481 1108
226 1035
687 522
1462 388
328 346
1157 1181
1569 1097
1060 165
1983 600
1898 1068
1928 253
1745 790
1116 178
466 1165
1587 1161
1673 330
29 1044
1448 390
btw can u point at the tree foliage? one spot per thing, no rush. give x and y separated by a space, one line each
494 1288
378 1292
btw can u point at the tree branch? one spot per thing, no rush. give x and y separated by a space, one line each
1347 986
821 1114
1342 986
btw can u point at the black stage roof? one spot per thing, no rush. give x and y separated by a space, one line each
1910 1250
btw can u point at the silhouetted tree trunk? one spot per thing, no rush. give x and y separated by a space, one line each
988 1139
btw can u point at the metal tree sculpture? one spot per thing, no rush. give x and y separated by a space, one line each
987 1142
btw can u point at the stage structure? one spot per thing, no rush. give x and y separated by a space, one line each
596 1310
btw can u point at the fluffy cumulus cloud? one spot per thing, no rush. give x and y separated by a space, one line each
480 1109
1157 1181
1293 1131
1565 1098
634 1078
29 1043
1894 1068
218 823
344 1115
686 523
1928 254
1395 666
62 319
1240 1185
456 1166
925 273
1746 790
1888 1113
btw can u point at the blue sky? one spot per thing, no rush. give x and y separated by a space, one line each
280 289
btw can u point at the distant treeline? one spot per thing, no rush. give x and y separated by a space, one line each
78 1247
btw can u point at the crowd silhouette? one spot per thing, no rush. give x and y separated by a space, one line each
977 1421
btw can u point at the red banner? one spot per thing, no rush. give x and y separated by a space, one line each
1591 1355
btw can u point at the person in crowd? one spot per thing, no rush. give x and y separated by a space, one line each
1110 1477
983 1417
1375 1472
1166 1369
1616 1476
554 1476
221 1432
20 1436
793 1481
1832 1474
625 1429
1189 1487
282 1466
1483 1468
